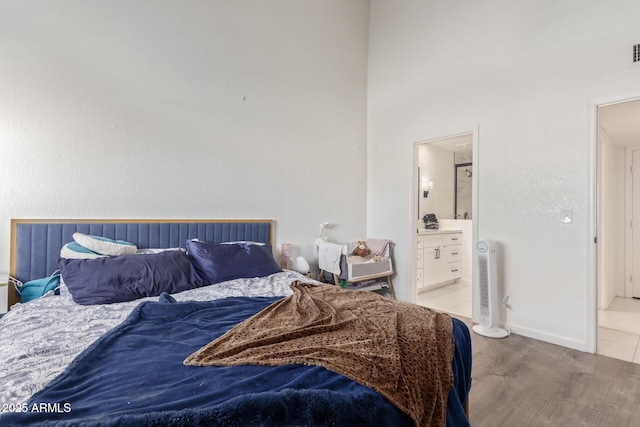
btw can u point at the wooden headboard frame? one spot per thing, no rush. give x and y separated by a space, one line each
36 243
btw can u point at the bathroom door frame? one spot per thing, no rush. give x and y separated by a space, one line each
475 218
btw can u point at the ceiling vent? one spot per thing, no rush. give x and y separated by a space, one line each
636 53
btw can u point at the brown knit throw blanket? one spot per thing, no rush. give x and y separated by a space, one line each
403 351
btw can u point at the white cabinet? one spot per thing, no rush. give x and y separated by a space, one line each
419 264
438 258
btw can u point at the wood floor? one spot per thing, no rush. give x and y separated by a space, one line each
520 381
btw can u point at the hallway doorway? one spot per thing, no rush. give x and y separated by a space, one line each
618 250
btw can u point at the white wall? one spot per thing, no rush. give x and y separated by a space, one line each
165 109
525 72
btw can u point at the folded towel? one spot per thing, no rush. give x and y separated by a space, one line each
329 255
379 247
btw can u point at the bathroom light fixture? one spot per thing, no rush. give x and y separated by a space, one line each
426 187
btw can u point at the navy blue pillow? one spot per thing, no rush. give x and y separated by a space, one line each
220 262
128 277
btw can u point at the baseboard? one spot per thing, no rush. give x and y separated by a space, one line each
550 338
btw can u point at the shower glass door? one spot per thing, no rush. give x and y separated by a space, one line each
464 190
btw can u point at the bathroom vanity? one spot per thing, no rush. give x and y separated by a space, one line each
438 258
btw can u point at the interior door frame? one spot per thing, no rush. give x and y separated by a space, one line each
475 219
592 288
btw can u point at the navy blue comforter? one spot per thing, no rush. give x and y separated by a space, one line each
134 375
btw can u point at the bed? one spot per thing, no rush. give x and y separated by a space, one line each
68 361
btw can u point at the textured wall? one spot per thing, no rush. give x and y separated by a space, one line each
525 72
191 109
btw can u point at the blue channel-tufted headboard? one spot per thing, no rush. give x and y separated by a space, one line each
36 243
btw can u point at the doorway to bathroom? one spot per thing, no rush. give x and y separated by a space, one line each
445 204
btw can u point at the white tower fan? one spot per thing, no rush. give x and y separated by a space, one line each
488 302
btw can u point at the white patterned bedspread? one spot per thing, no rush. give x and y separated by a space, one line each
40 338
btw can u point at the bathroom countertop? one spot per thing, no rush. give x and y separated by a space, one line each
439 231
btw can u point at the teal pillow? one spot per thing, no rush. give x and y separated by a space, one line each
36 288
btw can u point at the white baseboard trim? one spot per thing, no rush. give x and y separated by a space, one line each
550 338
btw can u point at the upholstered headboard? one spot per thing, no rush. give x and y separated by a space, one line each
36 243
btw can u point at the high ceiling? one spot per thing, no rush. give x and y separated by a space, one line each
621 122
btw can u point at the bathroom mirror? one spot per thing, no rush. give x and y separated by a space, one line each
445 171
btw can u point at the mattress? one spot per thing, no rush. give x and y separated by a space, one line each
46 334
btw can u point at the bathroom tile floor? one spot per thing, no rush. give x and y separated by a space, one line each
618 326
619 330
454 299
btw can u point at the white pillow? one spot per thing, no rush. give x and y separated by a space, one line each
104 246
75 251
